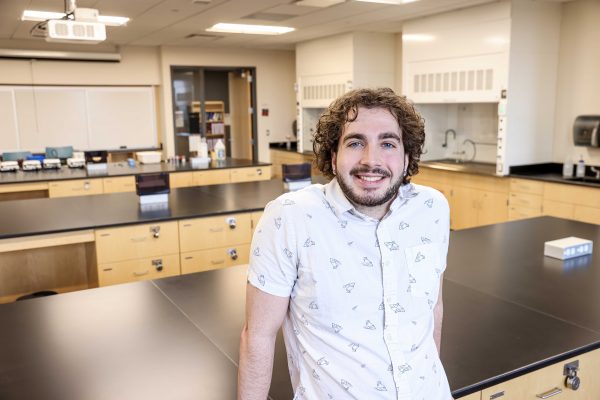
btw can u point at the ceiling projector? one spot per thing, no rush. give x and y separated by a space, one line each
84 28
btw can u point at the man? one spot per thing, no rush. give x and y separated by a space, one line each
353 269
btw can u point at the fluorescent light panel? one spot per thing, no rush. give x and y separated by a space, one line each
417 37
388 1
34 15
250 29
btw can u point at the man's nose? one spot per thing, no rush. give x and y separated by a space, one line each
371 156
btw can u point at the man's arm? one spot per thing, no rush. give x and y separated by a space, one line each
438 316
264 316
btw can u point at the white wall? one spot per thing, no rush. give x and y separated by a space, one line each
330 55
578 88
275 76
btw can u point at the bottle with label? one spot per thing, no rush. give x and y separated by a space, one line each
580 172
567 168
220 150
203 148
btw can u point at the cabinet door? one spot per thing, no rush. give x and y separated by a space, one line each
120 184
549 380
463 213
138 270
557 209
138 241
181 179
587 214
519 212
214 177
492 208
75 187
213 232
250 174
205 260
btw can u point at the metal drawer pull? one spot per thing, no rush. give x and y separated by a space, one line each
259 171
158 264
141 273
549 393
217 262
214 230
231 221
233 254
155 231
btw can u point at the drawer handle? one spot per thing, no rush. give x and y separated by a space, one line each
231 222
155 231
259 171
189 258
158 264
138 239
187 225
217 262
549 393
214 230
233 254
107 269
141 273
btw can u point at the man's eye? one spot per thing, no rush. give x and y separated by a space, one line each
354 144
388 145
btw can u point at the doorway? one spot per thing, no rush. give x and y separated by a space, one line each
215 103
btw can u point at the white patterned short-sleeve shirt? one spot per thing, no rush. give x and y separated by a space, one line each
362 291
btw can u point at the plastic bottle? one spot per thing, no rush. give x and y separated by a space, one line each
220 150
567 168
580 172
203 148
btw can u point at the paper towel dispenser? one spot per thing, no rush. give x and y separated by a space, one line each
585 130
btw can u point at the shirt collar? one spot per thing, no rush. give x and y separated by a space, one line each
340 203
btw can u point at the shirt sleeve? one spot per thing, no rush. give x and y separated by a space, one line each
273 257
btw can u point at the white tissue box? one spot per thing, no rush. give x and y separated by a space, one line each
149 157
568 247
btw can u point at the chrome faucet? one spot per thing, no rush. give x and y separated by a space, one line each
596 171
453 132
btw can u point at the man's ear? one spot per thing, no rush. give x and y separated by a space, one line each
333 161
406 159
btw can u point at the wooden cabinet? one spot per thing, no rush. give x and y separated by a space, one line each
75 187
550 382
474 200
119 184
280 157
215 242
255 218
472 396
138 269
250 174
580 203
181 179
525 199
137 252
212 177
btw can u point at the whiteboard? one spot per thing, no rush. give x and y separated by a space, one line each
121 117
87 118
9 136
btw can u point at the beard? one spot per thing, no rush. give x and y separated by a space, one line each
369 199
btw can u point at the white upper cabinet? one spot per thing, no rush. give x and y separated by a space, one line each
460 56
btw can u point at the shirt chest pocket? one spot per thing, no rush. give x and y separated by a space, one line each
424 268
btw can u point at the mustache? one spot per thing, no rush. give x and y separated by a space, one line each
364 170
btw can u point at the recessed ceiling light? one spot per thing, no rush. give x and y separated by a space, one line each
250 29
33 15
417 37
388 1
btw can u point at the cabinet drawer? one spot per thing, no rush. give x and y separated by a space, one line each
212 232
75 187
250 174
181 179
121 184
557 209
215 177
587 214
255 218
574 194
521 212
526 186
205 260
138 270
548 380
525 200
138 241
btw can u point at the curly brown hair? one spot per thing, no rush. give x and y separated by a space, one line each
345 109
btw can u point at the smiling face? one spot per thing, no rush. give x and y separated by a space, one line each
370 161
